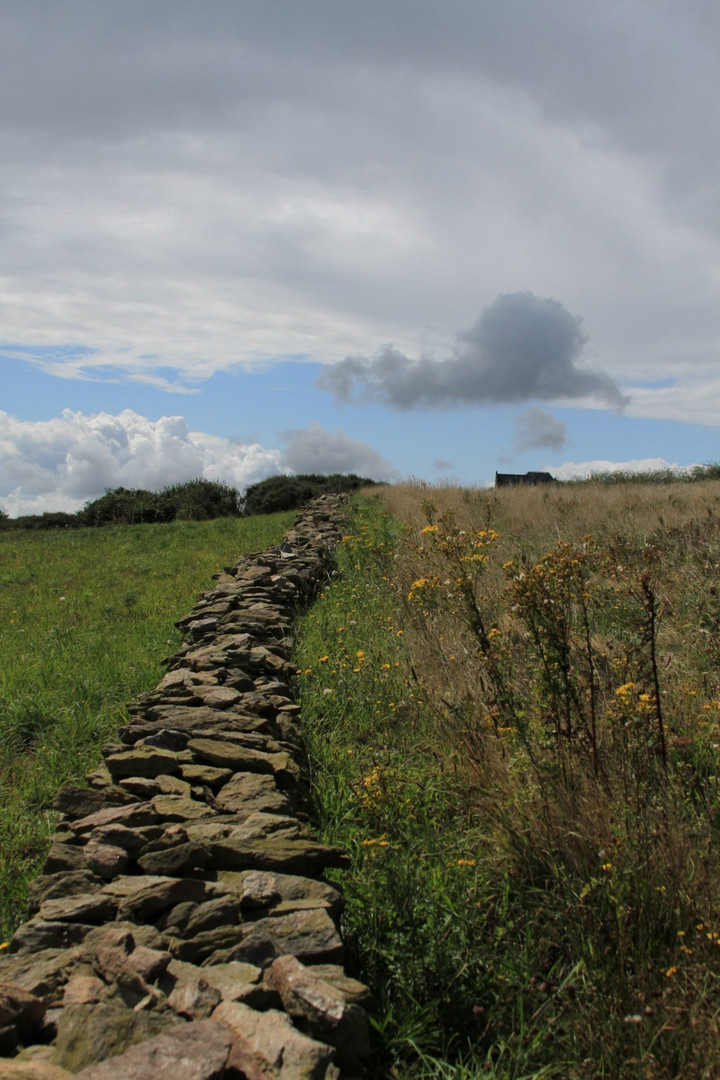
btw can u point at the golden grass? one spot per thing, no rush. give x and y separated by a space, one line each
547 737
549 513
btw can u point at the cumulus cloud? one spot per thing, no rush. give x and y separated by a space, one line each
521 348
316 450
535 428
573 470
59 464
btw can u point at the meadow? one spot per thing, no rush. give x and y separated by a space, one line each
86 617
512 706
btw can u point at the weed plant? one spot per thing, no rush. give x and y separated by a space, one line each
512 707
85 619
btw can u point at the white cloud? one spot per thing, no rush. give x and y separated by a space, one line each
61 463
573 470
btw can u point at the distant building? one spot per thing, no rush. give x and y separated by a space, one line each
515 479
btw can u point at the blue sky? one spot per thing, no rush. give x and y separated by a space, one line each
400 238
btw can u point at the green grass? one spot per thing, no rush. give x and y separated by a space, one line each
86 617
524 904
414 908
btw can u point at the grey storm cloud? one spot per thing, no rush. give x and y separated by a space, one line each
521 348
536 429
316 450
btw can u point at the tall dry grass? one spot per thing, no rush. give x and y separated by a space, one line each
555 711
544 514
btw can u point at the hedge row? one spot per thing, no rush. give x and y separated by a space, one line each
195 500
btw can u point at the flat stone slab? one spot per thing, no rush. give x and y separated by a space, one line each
233 981
201 947
105 860
133 934
142 787
177 860
39 934
85 990
118 835
351 989
217 697
18 1007
248 792
62 884
188 919
196 726
146 761
79 802
287 856
259 890
42 973
87 1034
142 898
180 808
211 775
267 1046
230 755
64 858
134 815
31 1070
311 936
261 741
184 717
194 998
173 785
92 908
261 826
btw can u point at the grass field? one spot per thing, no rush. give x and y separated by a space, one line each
85 619
511 702
512 706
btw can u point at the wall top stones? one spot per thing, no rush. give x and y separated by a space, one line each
182 926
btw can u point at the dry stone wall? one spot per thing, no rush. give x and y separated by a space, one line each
182 927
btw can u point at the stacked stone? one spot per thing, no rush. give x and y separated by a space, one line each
182 926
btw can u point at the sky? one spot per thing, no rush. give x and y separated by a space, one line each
424 239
